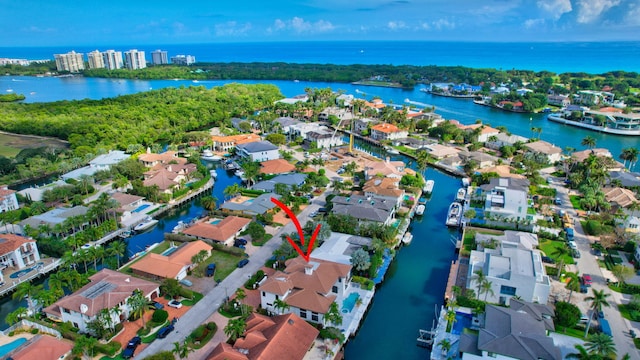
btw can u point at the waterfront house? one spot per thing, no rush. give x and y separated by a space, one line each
580 156
558 100
542 148
169 177
235 122
441 151
55 218
174 263
619 197
99 163
276 166
308 288
484 132
42 347
127 202
293 100
17 252
512 271
106 289
363 124
342 114
365 209
506 198
222 231
387 168
278 337
504 139
626 179
384 131
286 125
339 247
482 159
384 189
324 138
287 179
344 100
252 206
8 199
150 159
228 143
592 98
519 332
258 151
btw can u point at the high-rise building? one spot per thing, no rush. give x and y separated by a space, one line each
95 60
134 59
72 62
159 57
112 59
183 59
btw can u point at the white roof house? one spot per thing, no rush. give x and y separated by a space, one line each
100 162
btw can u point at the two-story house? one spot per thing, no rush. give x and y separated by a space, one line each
387 168
506 198
150 159
385 189
549 151
8 199
107 289
228 143
258 151
365 209
384 131
99 163
222 231
308 288
17 252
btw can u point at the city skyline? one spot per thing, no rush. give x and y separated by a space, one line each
91 24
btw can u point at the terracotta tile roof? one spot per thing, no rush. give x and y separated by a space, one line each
236 139
4 191
105 290
224 351
165 157
610 109
620 196
11 242
384 186
221 231
385 128
163 179
170 266
125 199
276 166
279 283
543 147
385 168
580 156
44 347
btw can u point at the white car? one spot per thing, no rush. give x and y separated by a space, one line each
573 245
175 304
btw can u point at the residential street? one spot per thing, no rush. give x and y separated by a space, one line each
214 298
587 264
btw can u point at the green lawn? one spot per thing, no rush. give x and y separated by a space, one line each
225 264
575 332
575 202
549 246
161 248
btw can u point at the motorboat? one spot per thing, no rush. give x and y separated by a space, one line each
181 226
125 234
392 151
461 194
208 155
454 214
406 239
213 173
428 186
420 209
147 223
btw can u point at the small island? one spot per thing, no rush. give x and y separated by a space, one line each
11 97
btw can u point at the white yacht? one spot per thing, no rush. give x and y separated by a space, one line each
428 187
420 209
461 194
454 215
147 223
406 239
208 155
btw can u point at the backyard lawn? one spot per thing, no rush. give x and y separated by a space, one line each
549 246
225 264
575 202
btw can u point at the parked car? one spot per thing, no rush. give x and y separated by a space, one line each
600 314
573 245
583 289
157 305
185 282
175 304
162 333
243 262
548 260
575 253
558 201
211 269
128 352
313 214
587 279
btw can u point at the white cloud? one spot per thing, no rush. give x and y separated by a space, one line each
443 24
232 28
396 25
633 15
299 25
555 7
533 23
590 10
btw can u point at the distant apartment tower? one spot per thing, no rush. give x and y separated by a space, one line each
134 59
72 62
95 60
159 57
183 59
112 59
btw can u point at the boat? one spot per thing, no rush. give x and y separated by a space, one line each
422 201
239 173
213 173
406 239
460 195
147 223
125 234
420 209
454 214
208 155
428 187
181 226
392 151
466 181
617 123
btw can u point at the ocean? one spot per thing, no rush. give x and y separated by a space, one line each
558 57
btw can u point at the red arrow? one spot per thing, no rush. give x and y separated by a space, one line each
293 217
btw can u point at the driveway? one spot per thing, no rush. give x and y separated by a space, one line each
208 306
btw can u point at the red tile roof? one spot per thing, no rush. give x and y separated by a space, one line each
385 128
44 347
170 266
11 242
276 166
221 231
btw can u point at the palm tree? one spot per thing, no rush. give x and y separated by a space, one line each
589 142
582 353
333 314
181 350
281 305
138 304
478 277
486 288
598 300
209 203
235 328
445 345
16 315
231 190
560 252
28 290
117 249
573 285
240 295
601 344
450 316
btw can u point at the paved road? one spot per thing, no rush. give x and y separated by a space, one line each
587 264
214 298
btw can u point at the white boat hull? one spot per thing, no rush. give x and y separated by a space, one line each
145 225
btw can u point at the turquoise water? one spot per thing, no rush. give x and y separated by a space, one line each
17 274
214 221
462 321
169 251
349 302
7 348
141 207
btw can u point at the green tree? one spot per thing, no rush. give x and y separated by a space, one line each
360 260
235 328
276 139
623 273
117 249
256 231
138 304
182 351
560 252
16 315
27 290
486 287
582 354
588 141
209 202
567 315
598 299
601 344
478 277
281 306
333 315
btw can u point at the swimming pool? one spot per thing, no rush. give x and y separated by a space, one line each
349 302
463 320
169 251
214 221
140 208
7 348
17 274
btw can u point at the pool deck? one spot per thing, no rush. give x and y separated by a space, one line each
4 339
10 283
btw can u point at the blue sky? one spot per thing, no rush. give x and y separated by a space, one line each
64 22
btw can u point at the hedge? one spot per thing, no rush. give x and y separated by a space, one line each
365 283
